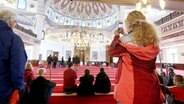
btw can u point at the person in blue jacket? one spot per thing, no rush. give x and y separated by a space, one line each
12 57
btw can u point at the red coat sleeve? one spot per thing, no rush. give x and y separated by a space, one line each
115 49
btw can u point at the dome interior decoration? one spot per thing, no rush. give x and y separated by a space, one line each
85 10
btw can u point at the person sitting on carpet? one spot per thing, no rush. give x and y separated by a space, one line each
177 90
40 89
102 82
86 87
69 80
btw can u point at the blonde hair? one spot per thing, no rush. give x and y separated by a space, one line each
7 15
143 33
178 79
41 71
29 66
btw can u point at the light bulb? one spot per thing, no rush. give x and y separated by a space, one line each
148 7
138 6
145 1
162 4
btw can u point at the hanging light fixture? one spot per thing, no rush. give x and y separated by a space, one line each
147 4
145 1
81 39
162 4
11 1
138 5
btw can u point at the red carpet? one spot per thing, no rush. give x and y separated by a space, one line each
59 89
100 99
57 77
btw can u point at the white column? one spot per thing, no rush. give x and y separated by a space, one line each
38 30
39 25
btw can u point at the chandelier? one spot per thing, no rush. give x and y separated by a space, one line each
147 4
81 42
83 39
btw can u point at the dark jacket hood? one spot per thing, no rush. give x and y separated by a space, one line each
3 25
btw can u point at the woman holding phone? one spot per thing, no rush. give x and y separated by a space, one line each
136 80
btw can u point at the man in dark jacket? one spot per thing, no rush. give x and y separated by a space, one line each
102 82
170 77
86 87
12 57
40 89
49 61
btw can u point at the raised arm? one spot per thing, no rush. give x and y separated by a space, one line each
115 49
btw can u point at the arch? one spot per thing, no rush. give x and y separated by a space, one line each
62 20
72 22
22 4
52 15
83 24
94 24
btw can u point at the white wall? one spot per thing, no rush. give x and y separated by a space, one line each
173 54
180 54
32 52
60 47
101 52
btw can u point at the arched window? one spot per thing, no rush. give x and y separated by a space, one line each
83 23
104 22
72 22
101 37
94 23
52 15
62 20
22 4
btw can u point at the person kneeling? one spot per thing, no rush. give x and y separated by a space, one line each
177 90
86 87
102 82
40 89
69 80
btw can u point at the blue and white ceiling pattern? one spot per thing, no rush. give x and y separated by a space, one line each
83 14
84 10
62 19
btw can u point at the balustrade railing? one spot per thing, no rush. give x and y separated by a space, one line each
29 32
168 18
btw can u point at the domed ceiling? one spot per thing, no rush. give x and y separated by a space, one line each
84 10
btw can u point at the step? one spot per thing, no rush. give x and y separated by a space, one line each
75 94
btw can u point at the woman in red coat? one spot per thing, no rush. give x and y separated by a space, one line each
28 74
136 80
177 90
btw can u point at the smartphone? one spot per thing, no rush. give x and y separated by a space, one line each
120 27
